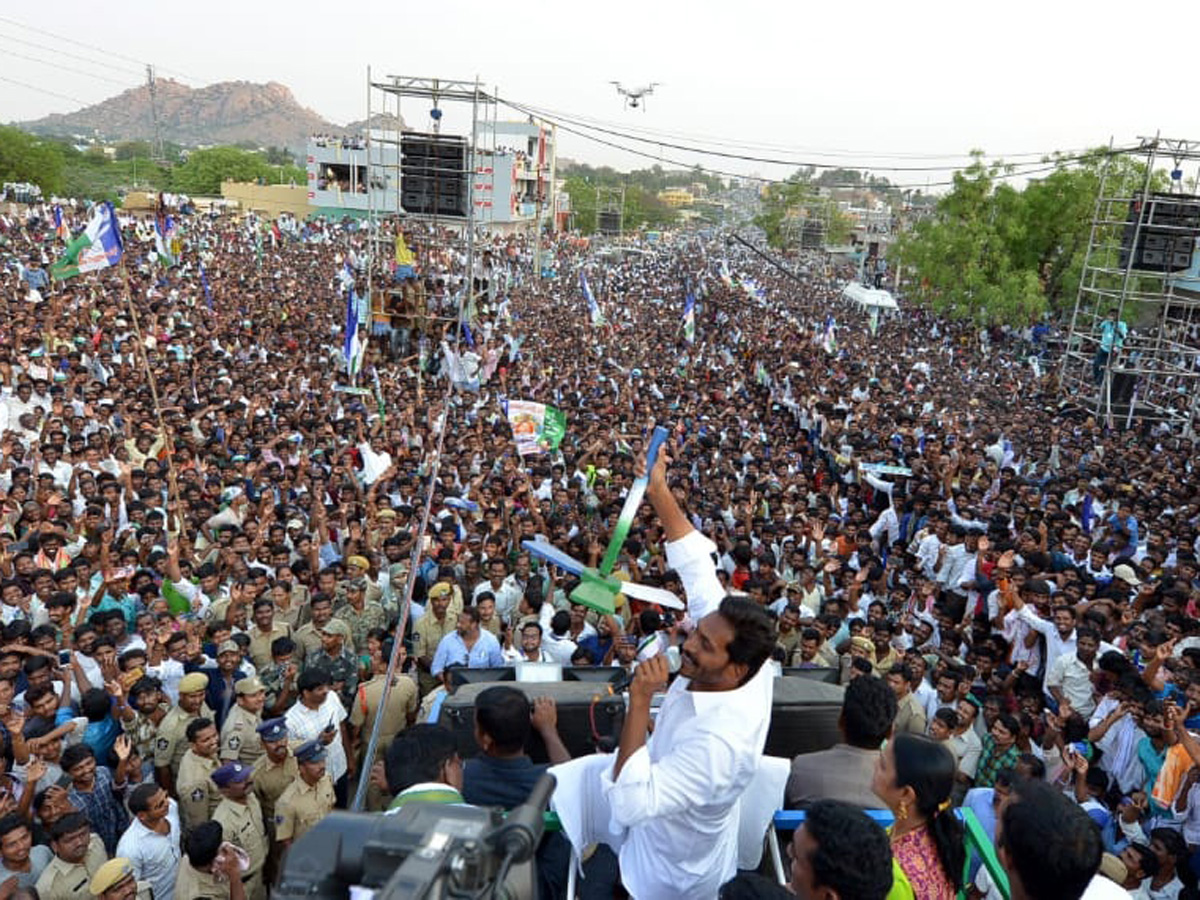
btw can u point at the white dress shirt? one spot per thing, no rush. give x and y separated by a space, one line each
154 856
678 797
306 724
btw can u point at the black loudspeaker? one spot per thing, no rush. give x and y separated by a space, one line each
433 174
585 712
608 222
1166 240
1123 384
804 718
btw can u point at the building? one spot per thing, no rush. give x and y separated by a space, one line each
513 181
677 197
270 200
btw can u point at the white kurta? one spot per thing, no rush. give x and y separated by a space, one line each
673 812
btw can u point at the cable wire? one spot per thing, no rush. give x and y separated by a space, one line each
34 87
833 152
62 68
528 110
75 56
999 176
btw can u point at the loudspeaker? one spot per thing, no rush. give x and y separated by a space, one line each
1166 240
608 222
585 712
804 716
1123 384
433 174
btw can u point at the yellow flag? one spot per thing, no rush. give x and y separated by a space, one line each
404 256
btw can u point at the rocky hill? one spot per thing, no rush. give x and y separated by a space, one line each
224 113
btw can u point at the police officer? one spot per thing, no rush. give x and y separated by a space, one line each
274 771
241 818
171 742
78 855
336 660
401 708
308 637
197 796
115 881
308 799
206 872
239 734
264 631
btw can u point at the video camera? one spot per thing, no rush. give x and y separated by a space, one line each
426 850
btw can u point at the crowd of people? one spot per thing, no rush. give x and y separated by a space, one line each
204 576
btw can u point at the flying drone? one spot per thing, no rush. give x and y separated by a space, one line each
598 588
635 95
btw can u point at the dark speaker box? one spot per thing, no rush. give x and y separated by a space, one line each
804 717
579 706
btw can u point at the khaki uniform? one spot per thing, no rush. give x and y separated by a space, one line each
402 702
307 640
197 885
171 742
198 796
61 880
260 642
270 781
427 634
301 807
239 736
297 613
242 824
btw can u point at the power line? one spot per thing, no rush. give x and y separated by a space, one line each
61 67
41 90
831 152
743 157
94 48
76 56
1057 164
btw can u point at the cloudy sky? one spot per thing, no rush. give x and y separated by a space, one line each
869 84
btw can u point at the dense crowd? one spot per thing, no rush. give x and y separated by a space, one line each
204 577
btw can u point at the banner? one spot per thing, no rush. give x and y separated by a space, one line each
98 247
536 426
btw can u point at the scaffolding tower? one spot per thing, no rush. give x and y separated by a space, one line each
1143 267
386 168
610 210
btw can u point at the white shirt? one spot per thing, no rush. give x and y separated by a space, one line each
1056 644
1074 679
306 724
154 856
678 796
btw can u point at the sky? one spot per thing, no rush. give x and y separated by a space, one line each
868 85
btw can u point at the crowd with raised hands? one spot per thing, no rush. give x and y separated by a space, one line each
205 573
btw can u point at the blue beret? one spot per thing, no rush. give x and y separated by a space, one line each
273 729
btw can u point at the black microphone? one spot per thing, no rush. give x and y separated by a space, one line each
621 684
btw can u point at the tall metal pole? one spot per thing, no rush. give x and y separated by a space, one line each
372 218
470 294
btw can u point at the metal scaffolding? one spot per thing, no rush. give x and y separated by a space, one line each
385 106
1143 265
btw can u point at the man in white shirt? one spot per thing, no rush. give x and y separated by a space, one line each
675 795
319 716
1070 678
151 842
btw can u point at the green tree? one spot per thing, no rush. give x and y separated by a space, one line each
786 205
24 157
205 170
132 150
961 258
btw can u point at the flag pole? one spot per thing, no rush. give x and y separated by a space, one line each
172 475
